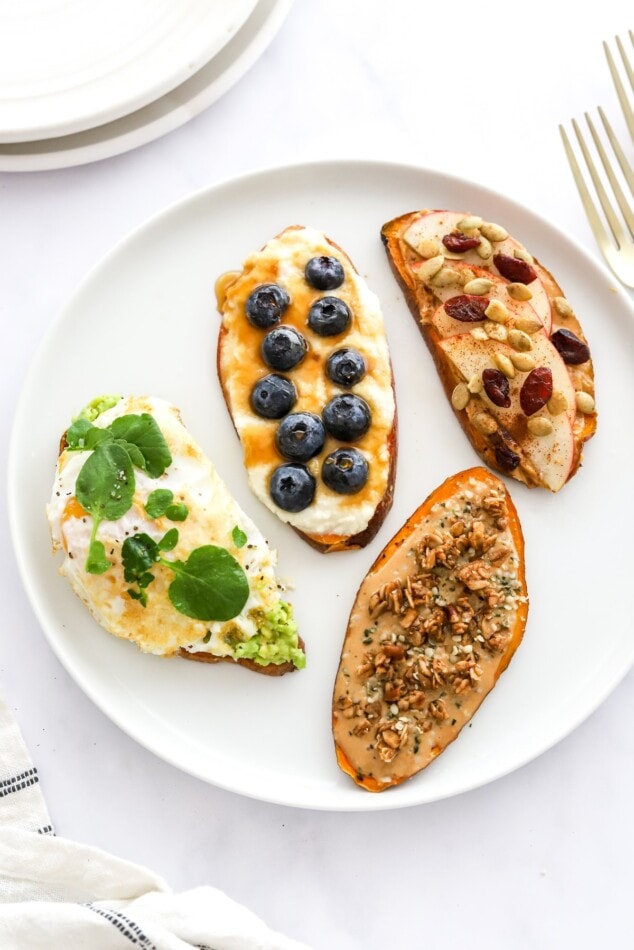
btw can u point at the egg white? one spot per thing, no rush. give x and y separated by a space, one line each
213 513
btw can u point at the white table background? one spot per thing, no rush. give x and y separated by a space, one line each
541 858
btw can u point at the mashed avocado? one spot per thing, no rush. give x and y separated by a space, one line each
276 640
96 406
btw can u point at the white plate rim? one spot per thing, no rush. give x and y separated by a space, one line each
165 114
132 85
365 801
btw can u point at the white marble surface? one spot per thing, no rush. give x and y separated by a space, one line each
541 858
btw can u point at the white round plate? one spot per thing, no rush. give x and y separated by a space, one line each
144 321
67 66
161 116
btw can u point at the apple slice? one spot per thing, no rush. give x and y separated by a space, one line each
448 326
425 236
552 454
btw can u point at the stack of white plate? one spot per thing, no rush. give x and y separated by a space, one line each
82 80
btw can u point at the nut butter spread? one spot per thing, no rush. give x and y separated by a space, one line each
435 622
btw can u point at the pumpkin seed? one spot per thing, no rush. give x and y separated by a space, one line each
539 425
528 324
469 223
484 423
519 291
585 402
520 341
446 277
478 286
523 361
504 365
460 397
428 247
562 307
484 248
497 312
494 232
557 403
475 383
430 268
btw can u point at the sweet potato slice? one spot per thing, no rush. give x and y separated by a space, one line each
424 250
435 622
333 518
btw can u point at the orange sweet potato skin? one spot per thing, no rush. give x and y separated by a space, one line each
422 304
449 488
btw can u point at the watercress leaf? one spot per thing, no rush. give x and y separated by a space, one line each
139 595
177 512
83 435
158 502
97 562
139 553
105 484
239 537
136 456
143 431
169 540
209 585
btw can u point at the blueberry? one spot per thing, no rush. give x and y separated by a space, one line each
347 417
283 348
273 396
345 471
292 487
329 316
300 436
324 273
266 304
345 367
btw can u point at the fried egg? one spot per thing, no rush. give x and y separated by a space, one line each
213 518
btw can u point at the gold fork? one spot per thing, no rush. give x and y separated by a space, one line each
619 252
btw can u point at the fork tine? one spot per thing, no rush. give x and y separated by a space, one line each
626 62
626 168
596 224
616 188
620 89
608 209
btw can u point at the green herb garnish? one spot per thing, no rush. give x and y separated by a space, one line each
105 488
177 512
160 502
209 585
105 484
239 537
142 432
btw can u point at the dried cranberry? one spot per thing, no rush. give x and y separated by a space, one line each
515 269
469 308
506 457
496 386
458 242
536 390
571 349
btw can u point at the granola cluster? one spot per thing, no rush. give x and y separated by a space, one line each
433 630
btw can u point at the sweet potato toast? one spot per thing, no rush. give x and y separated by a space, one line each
507 345
157 548
435 622
305 371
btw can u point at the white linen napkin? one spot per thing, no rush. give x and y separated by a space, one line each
55 893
